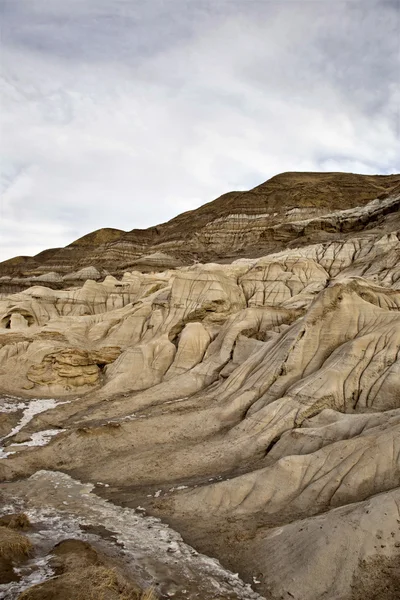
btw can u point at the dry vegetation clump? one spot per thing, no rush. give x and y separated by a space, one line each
15 521
13 545
91 583
149 595
82 573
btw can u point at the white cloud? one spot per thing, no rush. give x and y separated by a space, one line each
123 114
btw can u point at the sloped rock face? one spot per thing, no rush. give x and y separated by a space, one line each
252 405
289 209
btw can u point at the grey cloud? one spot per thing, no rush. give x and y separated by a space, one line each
83 30
123 114
351 47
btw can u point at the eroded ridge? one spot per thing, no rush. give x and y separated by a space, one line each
253 406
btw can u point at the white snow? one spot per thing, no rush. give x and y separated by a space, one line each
34 408
150 547
9 407
40 438
178 487
35 571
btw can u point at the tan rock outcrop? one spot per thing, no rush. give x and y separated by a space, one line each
291 208
254 405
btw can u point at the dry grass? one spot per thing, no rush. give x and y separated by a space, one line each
15 521
13 545
92 583
84 574
149 594
101 581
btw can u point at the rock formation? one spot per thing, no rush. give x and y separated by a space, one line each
291 209
252 404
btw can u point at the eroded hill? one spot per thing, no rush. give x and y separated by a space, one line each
288 210
254 406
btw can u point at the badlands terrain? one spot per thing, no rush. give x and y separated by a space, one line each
209 409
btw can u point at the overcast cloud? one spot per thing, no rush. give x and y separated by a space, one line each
124 113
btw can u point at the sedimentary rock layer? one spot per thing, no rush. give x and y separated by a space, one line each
291 208
254 406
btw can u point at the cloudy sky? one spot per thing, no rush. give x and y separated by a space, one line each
124 113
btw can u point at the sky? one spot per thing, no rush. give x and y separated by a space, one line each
125 113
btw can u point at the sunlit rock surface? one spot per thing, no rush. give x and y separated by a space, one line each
253 405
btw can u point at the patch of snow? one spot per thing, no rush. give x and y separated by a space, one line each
33 572
40 438
10 407
131 417
178 487
34 407
31 408
176 400
4 454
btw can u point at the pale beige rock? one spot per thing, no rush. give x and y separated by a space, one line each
269 388
141 367
83 274
51 277
193 342
331 550
271 283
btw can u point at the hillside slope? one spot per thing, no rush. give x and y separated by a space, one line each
238 224
253 406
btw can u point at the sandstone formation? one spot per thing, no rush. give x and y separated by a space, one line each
251 404
291 209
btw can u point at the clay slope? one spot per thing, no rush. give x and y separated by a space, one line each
267 218
253 406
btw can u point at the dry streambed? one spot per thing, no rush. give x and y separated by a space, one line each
61 508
